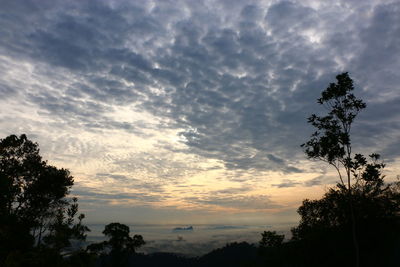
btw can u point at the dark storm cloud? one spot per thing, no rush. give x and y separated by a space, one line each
239 79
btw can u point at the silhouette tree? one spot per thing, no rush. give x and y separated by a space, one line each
118 240
331 142
34 209
326 223
271 239
361 194
119 246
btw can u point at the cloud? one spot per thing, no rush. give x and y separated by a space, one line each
139 198
195 86
313 182
286 183
244 202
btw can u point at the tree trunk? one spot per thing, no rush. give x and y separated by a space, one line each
354 228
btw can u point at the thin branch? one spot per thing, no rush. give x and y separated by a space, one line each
338 171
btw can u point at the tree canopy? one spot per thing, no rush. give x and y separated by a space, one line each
271 239
119 248
331 142
362 205
35 211
119 240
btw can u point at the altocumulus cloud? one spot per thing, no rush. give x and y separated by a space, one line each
232 80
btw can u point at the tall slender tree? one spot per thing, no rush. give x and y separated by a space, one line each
331 142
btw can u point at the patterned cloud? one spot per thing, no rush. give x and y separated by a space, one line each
154 100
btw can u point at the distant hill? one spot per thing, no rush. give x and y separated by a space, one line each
189 228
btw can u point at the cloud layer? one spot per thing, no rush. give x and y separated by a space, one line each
167 100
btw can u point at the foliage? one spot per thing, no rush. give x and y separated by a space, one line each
119 240
373 205
326 226
271 239
34 209
362 205
331 142
120 247
232 254
372 200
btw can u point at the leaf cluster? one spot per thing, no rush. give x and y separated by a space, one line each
119 240
331 141
373 200
270 239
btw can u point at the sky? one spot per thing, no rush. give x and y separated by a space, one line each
184 112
